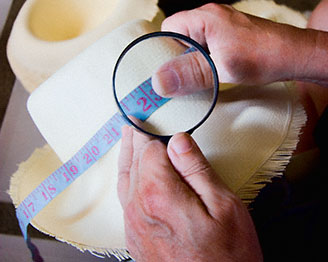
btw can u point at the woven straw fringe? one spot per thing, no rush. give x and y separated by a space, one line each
119 253
277 163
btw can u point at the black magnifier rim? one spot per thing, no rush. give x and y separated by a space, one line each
177 36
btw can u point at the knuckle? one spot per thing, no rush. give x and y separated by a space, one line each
199 72
211 6
151 200
199 167
218 9
236 67
207 74
150 151
229 207
231 202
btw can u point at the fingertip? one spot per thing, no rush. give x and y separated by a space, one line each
165 82
184 153
181 143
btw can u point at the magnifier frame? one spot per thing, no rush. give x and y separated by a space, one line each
165 138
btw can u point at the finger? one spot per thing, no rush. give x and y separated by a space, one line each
132 143
187 23
201 24
185 74
160 189
125 163
139 138
191 164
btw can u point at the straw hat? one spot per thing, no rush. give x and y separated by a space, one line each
248 139
47 34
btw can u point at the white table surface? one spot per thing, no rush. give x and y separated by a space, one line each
18 138
4 10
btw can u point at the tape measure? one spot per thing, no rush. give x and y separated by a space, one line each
141 103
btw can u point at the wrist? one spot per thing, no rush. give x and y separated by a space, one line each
311 57
290 50
282 52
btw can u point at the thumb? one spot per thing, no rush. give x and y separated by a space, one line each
185 74
194 168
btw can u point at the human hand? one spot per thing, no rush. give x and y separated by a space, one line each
245 49
176 208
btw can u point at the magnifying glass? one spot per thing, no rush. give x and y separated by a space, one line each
150 58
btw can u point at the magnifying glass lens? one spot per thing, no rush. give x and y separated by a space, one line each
166 81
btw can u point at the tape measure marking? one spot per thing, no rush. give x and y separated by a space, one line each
140 103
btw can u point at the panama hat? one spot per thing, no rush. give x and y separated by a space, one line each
248 139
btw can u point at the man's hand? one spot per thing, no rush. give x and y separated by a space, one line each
176 208
245 49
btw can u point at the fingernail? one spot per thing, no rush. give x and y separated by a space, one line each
182 143
168 81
